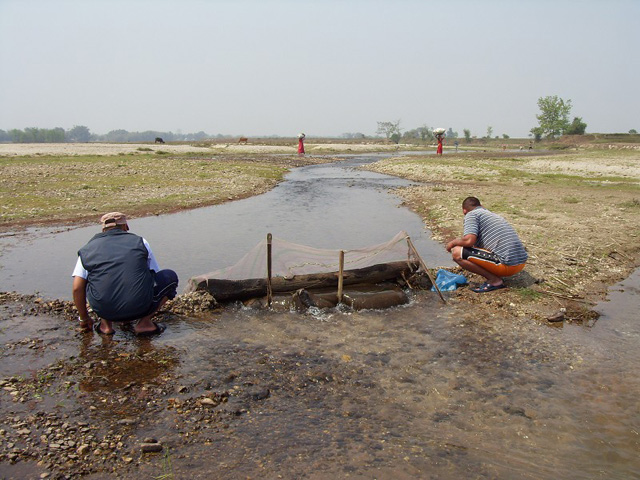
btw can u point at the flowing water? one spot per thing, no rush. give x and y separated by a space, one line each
421 391
333 206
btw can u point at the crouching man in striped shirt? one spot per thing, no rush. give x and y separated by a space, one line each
489 246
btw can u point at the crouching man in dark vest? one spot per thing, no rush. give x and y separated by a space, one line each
119 276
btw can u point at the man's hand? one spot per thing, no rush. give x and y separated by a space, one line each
85 324
80 301
469 240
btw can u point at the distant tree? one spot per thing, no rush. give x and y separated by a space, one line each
55 135
79 133
633 131
353 135
537 133
554 116
426 133
467 135
388 128
4 136
411 135
451 134
489 131
577 127
505 136
395 137
116 136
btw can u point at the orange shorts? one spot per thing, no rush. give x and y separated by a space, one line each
490 262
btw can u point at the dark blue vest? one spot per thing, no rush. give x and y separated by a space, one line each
120 284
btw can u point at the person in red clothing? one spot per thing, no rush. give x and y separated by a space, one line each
440 138
301 144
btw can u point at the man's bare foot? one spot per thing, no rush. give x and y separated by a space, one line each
104 328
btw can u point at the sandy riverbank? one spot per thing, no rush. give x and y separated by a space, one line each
79 149
577 213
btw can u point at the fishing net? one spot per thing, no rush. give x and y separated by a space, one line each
289 260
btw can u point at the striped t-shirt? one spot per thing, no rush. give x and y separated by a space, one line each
496 235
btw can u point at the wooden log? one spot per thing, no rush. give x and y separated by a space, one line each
231 290
376 300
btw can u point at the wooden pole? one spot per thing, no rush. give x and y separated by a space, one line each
424 266
340 276
269 290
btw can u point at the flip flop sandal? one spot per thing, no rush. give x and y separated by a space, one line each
159 329
96 328
487 287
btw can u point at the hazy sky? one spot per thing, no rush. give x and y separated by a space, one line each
322 67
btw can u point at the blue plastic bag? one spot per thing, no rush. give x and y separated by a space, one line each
447 281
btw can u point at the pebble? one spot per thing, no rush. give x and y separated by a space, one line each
82 449
556 317
151 447
127 421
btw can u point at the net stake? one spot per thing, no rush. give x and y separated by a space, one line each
424 266
340 276
269 291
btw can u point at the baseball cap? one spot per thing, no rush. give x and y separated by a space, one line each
113 218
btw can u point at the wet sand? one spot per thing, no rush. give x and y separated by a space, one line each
425 390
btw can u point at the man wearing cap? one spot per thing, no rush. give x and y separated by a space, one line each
118 274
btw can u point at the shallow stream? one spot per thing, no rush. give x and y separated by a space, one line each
334 206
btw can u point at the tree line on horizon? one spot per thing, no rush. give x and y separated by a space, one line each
82 134
553 121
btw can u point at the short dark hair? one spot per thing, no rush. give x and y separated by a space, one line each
470 203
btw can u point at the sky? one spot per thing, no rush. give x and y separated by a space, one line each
323 67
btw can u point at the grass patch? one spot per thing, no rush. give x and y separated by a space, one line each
635 203
51 188
528 294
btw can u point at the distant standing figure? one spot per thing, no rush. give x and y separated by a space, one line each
159 140
301 144
440 138
456 143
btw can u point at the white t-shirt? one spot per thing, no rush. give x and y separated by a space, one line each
80 271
